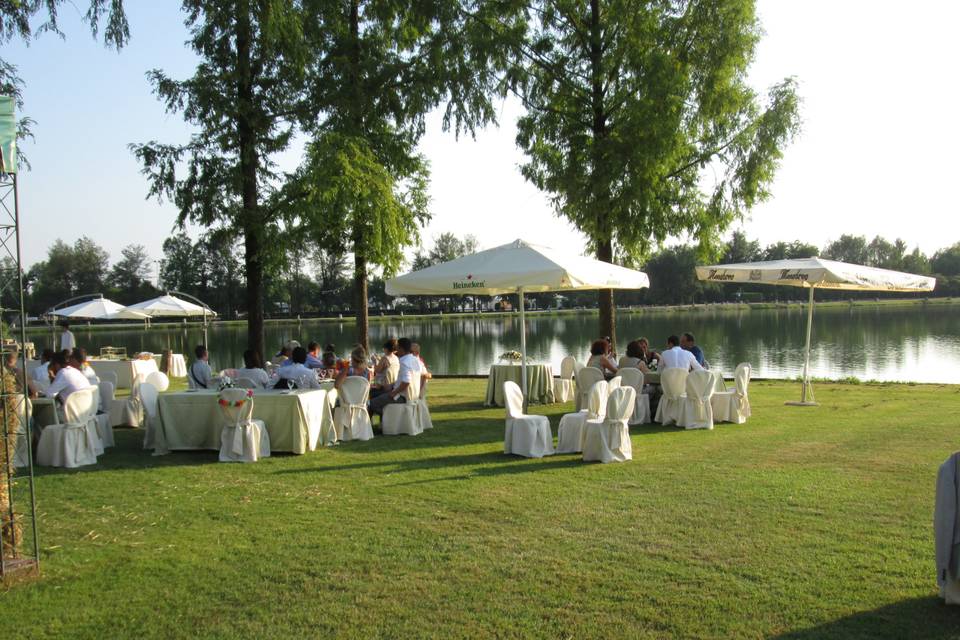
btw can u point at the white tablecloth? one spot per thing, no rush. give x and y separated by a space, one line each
126 370
178 365
297 421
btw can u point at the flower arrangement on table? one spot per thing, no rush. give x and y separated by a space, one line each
226 382
512 356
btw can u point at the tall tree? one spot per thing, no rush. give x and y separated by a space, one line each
69 270
380 68
130 276
946 262
634 106
848 248
242 99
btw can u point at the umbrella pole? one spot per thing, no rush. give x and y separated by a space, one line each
806 393
523 351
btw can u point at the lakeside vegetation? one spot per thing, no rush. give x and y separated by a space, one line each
803 523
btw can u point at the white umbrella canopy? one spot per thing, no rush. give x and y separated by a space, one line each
168 306
815 273
518 267
98 309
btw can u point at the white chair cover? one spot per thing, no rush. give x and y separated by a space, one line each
615 383
695 409
246 383
633 378
563 389
148 401
673 382
102 417
609 441
570 432
426 421
351 419
243 439
527 436
404 417
734 405
21 454
586 378
158 379
74 443
391 372
108 376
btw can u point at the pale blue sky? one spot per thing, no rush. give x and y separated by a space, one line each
876 155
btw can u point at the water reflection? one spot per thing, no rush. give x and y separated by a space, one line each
907 343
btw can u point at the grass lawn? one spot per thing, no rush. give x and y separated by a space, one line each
803 523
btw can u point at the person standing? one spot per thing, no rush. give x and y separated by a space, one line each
67 341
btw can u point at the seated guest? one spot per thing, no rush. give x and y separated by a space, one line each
398 392
387 366
649 355
687 342
358 366
78 360
634 357
252 370
296 371
66 379
200 374
314 359
10 363
600 360
42 373
424 372
675 357
328 365
282 356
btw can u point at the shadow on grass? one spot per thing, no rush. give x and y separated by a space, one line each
928 618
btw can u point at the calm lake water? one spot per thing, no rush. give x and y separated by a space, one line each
910 343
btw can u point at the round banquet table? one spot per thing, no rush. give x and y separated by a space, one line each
539 381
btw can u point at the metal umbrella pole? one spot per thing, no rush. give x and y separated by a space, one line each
523 351
807 389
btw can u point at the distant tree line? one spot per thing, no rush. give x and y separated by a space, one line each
314 280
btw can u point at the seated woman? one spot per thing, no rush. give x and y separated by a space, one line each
252 370
635 357
329 370
357 367
600 360
387 366
282 356
649 355
295 371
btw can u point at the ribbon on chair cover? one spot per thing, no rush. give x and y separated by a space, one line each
89 433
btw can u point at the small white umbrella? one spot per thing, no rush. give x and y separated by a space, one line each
98 309
815 273
518 267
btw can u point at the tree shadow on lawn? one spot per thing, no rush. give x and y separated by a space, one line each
928 618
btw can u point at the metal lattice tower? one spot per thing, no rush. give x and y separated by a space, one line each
21 514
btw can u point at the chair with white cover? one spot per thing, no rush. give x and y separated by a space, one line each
563 388
609 441
695 410
615 383
570 432
108 376
75 442
246 383
159 380
586 377
351 419
104 428
527 436
633 378
243 439
426 421
734 405
673 382
21 454
404 417
148 400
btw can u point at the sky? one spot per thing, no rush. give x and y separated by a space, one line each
876 155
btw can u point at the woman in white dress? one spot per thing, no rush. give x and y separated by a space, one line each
252 370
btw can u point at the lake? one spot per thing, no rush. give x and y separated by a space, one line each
900 343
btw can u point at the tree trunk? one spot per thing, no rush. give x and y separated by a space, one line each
359 232
363 315
250 219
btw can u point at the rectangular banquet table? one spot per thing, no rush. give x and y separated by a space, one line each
296 420
126 370
539 381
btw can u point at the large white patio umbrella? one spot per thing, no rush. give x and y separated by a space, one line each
518 267
171 306
98 309
815 273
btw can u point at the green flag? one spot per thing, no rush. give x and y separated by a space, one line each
8 136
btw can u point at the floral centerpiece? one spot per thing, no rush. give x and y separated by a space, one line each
512 356
226 382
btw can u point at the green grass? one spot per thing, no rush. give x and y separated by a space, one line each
803 523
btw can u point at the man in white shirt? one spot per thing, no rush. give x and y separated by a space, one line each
409 371
78 360
41 373
297 370
200 374
66 379
675 357
67 341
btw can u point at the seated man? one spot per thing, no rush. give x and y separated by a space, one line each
314 359
675 357
409 367
687 342
200 374
296 371
424 372
42 373
78 360
66 379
